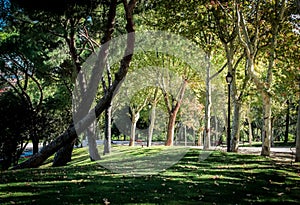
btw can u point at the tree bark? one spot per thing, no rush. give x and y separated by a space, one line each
173 113
107 140
134 119
287 122
207 130
267 125
298 134
249 118
171 129
71 133
151 126
92 143
64 155
35 143
236 127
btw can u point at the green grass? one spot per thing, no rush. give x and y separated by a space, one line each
222 179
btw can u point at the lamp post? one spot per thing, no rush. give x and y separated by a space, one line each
229 79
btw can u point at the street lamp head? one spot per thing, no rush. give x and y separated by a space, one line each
229 78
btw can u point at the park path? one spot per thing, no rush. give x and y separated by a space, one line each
282 155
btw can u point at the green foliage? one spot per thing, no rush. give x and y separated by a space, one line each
14 126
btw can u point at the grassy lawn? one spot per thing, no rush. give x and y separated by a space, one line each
221 179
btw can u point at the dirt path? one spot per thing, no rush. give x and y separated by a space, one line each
280 155
285 155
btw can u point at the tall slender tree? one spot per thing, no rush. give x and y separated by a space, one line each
251 43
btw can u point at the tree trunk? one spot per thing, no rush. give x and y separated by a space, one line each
171 128
35 143
236 127
267 125
151 126
107 140
287 122
207 130
173 108
64 155
250 136
93 150
134 119
173 114
298 136
200 139
185 136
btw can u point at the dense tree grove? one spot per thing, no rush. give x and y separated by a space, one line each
45 94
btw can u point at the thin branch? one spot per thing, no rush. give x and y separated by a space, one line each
218 72
242 25
41 92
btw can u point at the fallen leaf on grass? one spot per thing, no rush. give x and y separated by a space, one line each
265 188
105 201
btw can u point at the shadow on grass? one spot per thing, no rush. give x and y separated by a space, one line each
222 179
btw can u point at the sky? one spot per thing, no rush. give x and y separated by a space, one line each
4 6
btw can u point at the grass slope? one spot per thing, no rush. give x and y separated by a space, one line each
221 179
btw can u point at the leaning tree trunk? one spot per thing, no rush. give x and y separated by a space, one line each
71 133
298 135
84 87
63 156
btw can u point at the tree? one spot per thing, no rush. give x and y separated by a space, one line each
71 133
21 67
250 45
197 21
135 108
